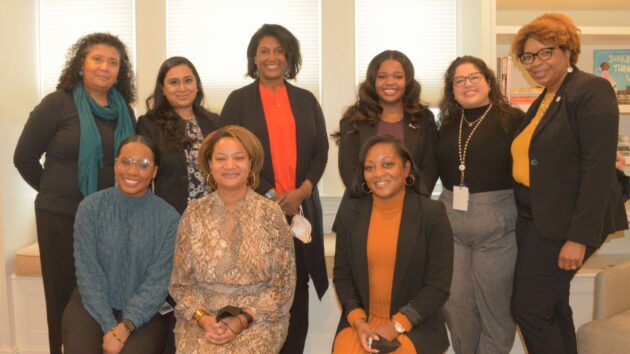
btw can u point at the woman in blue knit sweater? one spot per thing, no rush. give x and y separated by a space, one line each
123 246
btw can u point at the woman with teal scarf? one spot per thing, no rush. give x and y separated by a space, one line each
78 129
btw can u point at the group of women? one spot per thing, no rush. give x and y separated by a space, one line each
527 198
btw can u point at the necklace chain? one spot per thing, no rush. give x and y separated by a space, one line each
462 154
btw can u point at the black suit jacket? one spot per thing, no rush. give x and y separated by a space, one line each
573 188
243 107
423 270
420 139
171 182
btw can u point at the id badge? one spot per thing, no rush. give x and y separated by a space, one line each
460 198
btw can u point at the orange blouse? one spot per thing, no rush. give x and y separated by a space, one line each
281 131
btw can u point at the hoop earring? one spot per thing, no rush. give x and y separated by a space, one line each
410 180
364 188
253 177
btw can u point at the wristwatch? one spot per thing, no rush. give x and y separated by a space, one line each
398 327
129 325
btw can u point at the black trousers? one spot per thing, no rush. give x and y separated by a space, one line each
83 335
55 237
298 324
540 298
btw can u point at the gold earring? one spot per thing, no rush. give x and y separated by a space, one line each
365 189
410 180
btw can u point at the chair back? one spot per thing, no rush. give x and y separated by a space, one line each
612 291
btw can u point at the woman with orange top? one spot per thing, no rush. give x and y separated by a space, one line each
393 258
290 124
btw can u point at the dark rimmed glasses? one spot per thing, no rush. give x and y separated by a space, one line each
127 162
543 54
474 78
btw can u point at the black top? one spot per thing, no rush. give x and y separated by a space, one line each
488 158
53 129
171 181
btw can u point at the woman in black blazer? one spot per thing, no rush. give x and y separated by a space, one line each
389 103
393 257
567 195
290 124
177 122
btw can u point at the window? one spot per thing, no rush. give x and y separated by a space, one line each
425 30
214 36
62 22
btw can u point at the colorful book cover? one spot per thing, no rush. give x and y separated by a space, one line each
614 65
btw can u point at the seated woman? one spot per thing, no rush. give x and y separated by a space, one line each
393 258
123 246
234 250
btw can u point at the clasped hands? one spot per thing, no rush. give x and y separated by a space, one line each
223 331
385 330
290 201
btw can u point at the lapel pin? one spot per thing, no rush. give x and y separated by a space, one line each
558 98
412 126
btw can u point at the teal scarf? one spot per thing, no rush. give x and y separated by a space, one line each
90 145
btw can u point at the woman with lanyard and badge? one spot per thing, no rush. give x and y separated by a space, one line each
474 163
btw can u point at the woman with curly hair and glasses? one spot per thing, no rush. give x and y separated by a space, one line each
567 195
78 128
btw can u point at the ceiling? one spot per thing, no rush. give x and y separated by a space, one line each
574 5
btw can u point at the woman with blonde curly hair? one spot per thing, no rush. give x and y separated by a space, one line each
567 196
78 128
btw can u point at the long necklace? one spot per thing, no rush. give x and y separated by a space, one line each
462 153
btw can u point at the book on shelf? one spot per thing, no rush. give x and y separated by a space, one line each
504 74
614 65
525 95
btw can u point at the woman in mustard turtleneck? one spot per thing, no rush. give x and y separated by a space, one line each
393 258
567 196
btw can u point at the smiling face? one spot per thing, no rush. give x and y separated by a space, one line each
230 165
470 95
385 172
100 68
180 87
551 72
271 60
134 169
390 82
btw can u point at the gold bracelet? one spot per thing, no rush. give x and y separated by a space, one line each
198 314
116 337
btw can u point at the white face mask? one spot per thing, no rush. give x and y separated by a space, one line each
301 227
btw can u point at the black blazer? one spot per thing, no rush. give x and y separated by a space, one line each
243 107
420 139
423 270
171 182
573 187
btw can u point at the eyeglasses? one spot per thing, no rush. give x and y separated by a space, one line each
460 81
126 163
543 54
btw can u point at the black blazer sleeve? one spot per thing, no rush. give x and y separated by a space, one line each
596 114
40 128
349 145
426 162
319 156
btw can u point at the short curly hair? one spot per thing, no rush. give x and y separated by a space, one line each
76 57
552 28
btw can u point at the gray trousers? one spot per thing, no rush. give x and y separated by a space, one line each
83 335
478 309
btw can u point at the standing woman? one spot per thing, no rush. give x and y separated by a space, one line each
567 195
177 122
389 103
290 124
79 128
476 129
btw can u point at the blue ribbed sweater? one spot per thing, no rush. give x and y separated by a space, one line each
123 249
